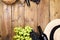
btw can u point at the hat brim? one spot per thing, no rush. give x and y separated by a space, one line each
50 26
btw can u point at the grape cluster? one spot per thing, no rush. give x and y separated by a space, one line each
22 33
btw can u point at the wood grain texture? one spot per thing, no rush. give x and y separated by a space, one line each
31 16
9 22
14 17
43 13
1 12
54 9
17 16
0 28
22 15
6 22
21 12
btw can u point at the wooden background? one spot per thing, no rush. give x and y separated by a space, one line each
18 15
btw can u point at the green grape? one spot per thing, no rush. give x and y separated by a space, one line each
16 29
28 38
16 36
22 33
29 29
26 34
22 37
17 39
25 31
20 29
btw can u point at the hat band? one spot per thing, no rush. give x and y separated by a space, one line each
53 31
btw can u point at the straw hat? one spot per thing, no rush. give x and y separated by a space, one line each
50 27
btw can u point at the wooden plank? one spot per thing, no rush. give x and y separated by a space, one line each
31 16
0 17
6 22
54 9
9 22
17 15
0 28
21 12
43 13
14 17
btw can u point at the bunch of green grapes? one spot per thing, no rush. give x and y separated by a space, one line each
22 33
